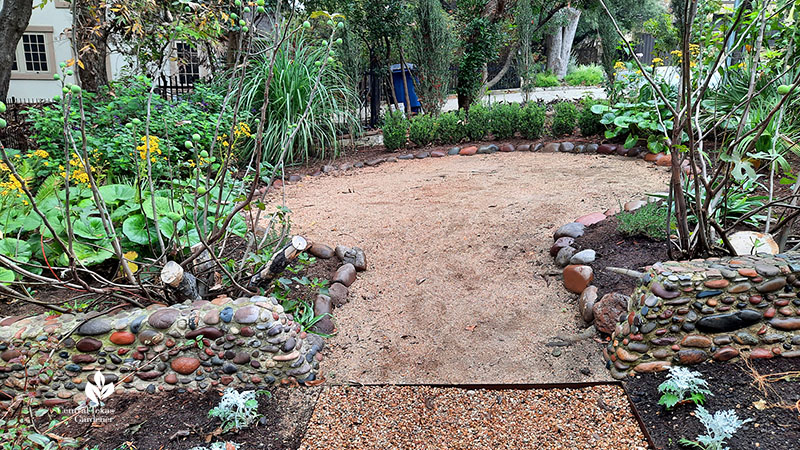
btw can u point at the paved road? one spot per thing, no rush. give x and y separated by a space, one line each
546 95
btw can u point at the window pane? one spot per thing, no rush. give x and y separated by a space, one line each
35 51
188 63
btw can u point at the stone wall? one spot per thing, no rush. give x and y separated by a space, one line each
716 309
247 342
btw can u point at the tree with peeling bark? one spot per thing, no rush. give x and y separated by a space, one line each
14 18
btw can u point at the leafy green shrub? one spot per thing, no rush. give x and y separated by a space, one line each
477 122
682 384
564 118
237 410
115 126
503 120
591 75
531 120
650 220
422 130
395 129
546 80
450 127
589 122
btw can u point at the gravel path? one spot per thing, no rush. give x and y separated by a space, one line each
460 287
405 417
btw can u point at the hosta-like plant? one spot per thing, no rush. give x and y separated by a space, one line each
682 384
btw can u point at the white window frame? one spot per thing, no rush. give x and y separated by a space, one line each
22 73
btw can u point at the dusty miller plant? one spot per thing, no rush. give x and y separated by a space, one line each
720 427
682 384
237 410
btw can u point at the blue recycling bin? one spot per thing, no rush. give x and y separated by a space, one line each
399 89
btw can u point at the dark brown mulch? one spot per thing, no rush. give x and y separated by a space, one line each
180 421
616 250
776 422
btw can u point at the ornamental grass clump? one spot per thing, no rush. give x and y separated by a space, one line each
683 384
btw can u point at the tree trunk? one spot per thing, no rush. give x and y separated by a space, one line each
403 68
92 44
14 17
559 44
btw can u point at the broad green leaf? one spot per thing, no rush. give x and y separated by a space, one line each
599 108
6 276
162 207
135 229
238 226
88 254
113 193
15 248
630 141
89 228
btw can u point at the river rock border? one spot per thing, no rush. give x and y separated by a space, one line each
659 159
689 312
249 342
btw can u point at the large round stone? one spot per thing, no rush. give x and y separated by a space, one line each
185 365
94 327
345 275
248 314
577 278
87 345
321 251
572 229
607 311
122 338
586 303
163 318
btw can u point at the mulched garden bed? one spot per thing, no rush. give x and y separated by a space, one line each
775 412
176 420
616 250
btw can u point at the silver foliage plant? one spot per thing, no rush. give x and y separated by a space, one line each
237 410
682 384
720 427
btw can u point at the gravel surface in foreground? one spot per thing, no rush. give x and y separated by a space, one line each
411 417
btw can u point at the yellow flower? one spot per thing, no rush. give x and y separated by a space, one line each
619 65
39 153
149 141
242 130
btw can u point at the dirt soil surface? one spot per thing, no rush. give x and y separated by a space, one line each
180 421
406 417
774 411
460 286
617 250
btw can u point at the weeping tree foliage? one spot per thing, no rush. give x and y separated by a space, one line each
432 50
296 66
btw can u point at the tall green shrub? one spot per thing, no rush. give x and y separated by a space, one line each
589 122
422 129
503 120
451 127
432 51
477 122
531 120
564 119
395 129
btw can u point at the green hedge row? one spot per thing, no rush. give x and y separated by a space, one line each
501 120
